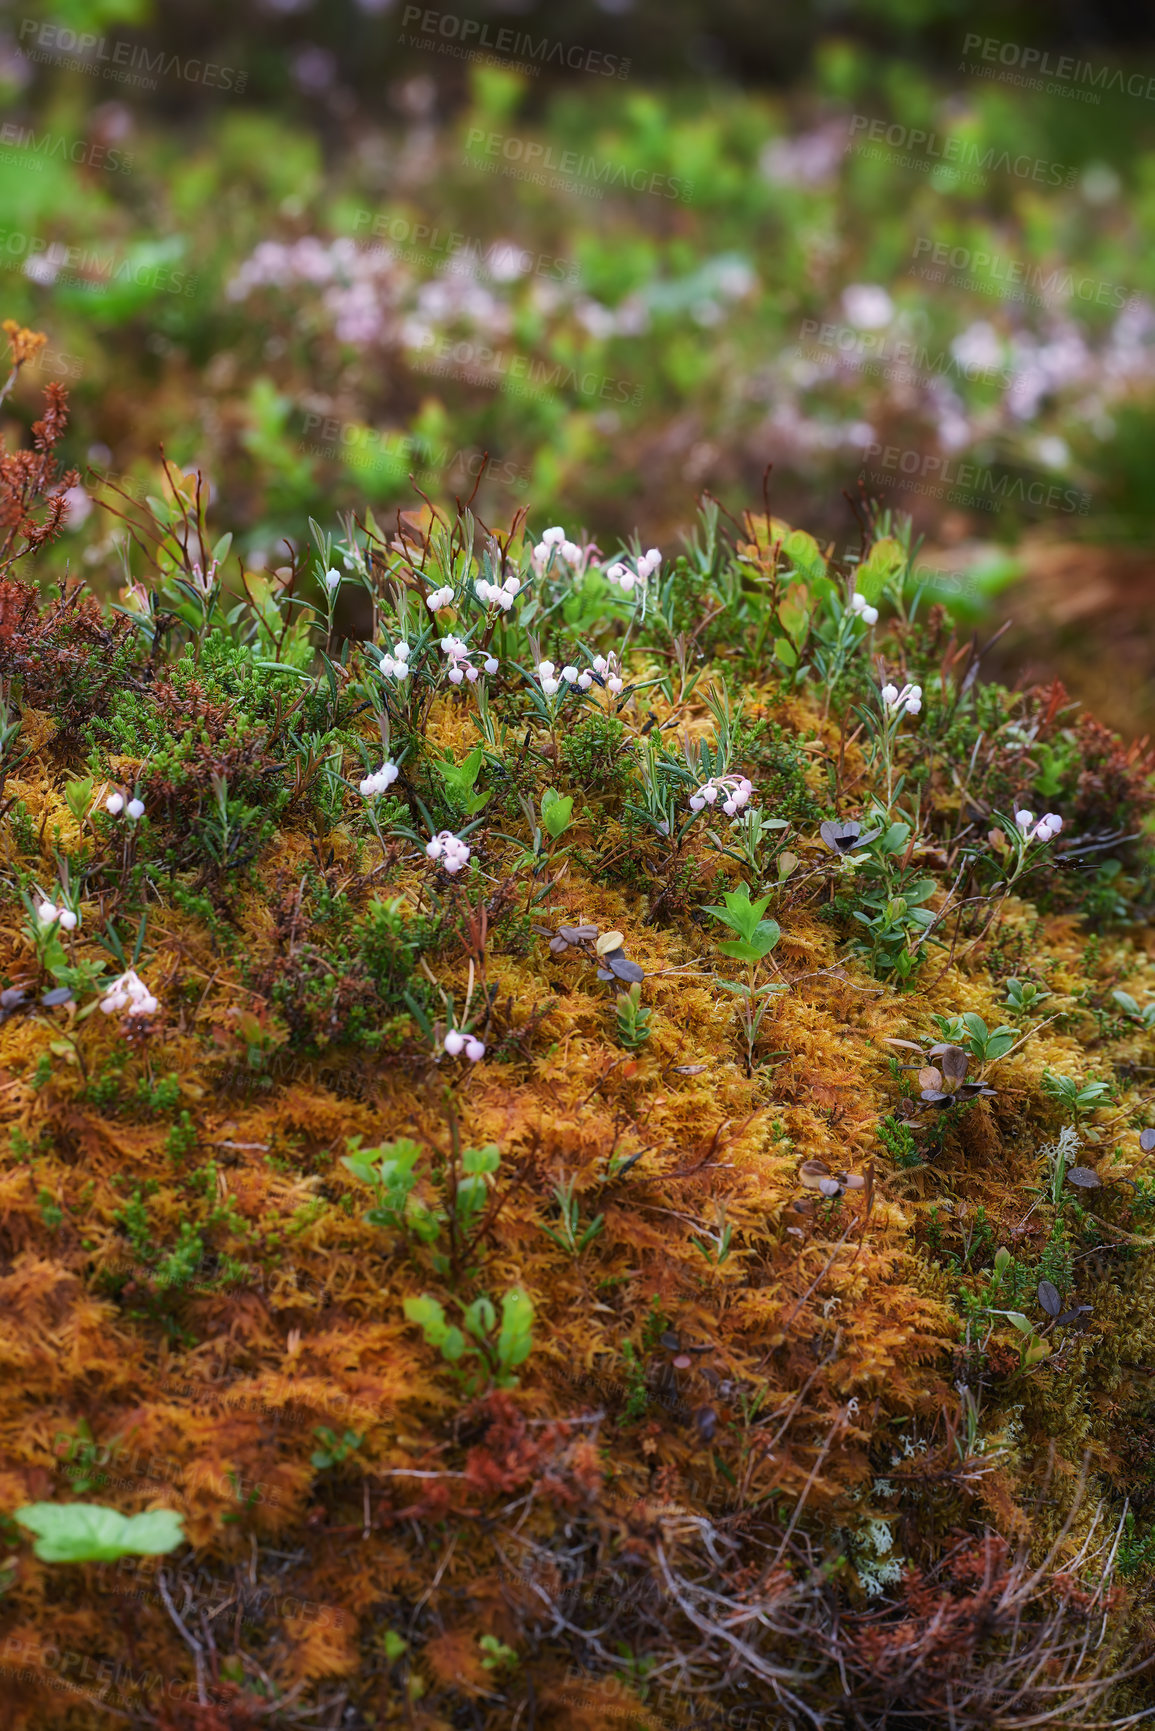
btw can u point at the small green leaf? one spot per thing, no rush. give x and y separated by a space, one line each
429 1317
514 1342
78 797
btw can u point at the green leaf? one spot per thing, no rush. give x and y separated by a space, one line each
361 1166
785 652
975 1025
78 798
90 1533
761 942
485 1159
803 552
1020 1321
997 1045
480 1318
514 1343
429 1317
556 811
742 915
883 563
1127 1002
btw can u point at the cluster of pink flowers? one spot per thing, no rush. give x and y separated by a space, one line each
361 288
379 781
1046 829
129 992
566 549
734 790
456 1042
500 595
460 665
450 850
395 664
611 672
623 578
908 701
48 913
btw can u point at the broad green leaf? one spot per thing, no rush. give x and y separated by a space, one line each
91 1533
485 1159
804 554
884 561
556 812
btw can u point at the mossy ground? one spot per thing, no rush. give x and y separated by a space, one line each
761 1459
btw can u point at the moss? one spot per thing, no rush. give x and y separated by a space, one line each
768 1279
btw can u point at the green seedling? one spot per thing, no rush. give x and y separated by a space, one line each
632 1019
556 812
497 1351
754 939
334 1449
570 1238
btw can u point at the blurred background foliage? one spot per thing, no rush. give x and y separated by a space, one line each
277 242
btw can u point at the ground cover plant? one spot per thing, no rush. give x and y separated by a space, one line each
579 1135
